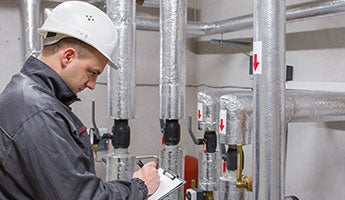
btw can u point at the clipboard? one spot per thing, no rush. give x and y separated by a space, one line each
168 184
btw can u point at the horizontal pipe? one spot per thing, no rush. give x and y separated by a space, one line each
301 106
294 13
315 106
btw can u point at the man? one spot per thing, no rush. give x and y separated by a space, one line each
45 152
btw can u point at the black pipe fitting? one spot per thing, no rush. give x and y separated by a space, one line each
232 159
121 134
171 132
210 138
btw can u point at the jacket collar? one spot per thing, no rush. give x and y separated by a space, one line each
49 80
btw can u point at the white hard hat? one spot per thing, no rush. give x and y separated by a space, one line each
82 21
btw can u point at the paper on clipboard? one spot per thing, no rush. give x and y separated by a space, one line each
168 184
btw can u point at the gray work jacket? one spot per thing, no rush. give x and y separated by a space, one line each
45 152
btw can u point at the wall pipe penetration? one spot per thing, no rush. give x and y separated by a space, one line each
294 13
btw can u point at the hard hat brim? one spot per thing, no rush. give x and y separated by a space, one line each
60 36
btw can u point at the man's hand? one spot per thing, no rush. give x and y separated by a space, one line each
149 174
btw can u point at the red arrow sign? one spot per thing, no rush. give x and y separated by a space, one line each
256 63
199 114
221 126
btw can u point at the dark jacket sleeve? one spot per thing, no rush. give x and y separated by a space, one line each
56 161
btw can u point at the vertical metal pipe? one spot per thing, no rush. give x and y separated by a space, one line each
121 82
173 20
31 20
269 103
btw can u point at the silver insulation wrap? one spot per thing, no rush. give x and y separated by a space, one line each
269 140
208 106
121 82
228 189
172 158
293 13
120 165
197 29
301 106
315 106
31 19
315 9
209 171
173 20
147 24
238 107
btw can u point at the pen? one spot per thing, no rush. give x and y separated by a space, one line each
139 163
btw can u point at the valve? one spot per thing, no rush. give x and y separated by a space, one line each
242 181
99 136
140 2
209 141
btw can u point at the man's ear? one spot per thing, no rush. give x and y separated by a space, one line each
68 55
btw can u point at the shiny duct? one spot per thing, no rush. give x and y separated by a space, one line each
173 20
121 82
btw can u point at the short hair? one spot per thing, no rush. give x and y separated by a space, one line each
81 47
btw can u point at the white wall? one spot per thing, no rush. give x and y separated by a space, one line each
10 50
316 49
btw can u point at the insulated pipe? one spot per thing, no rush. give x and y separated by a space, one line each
314 106
238 108
269 138
121 82
173 20
301 106
151 3
295 13
148 24
30 14
208 109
